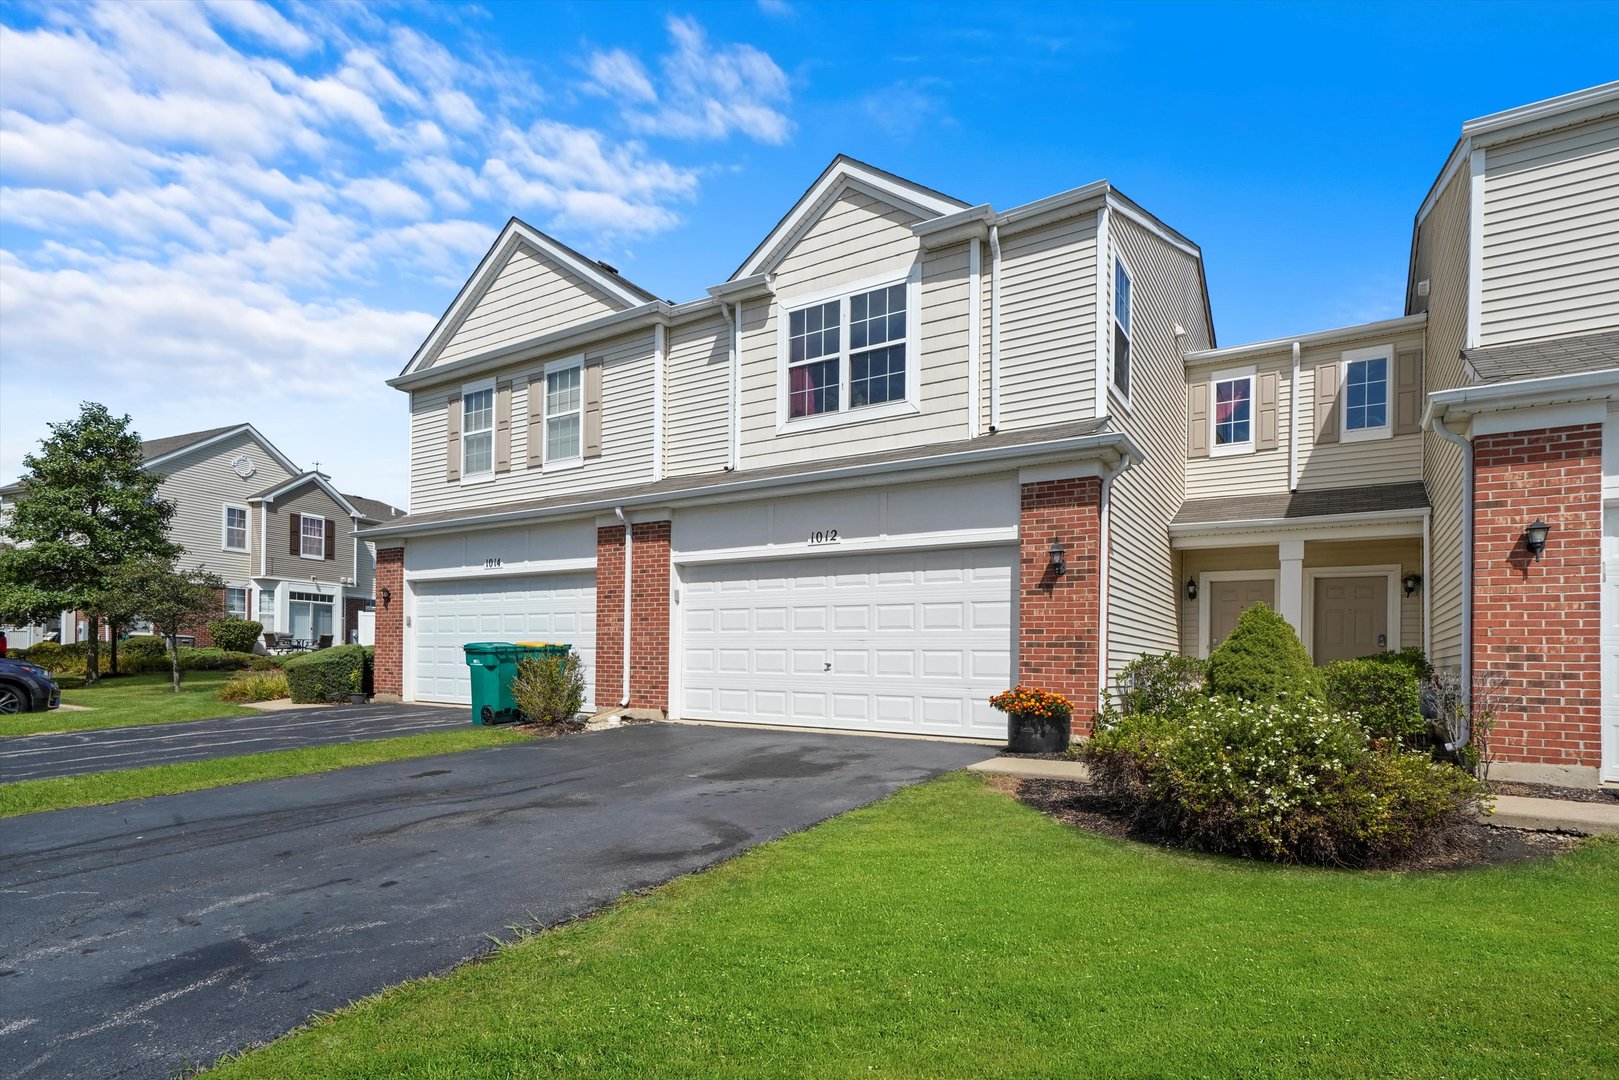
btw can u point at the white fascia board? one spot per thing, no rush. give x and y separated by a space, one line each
954 228
1319 337
748 288
1106 445
1464 401
1458 154
1070 203
1539 116
320 482
1130 210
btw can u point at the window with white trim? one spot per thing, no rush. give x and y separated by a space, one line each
849 354
233 532
1233 419
1365 395
312 537
267 608
478 431
1121 328
564 413
235 602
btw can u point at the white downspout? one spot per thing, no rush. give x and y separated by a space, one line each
1466 445
1102 570
629 564
994 328
1293 428
659 378
733 321
975 335
1427 604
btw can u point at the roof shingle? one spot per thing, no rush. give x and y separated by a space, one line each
1328 502
1538 359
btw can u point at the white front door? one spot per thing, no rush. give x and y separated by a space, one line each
555 608
1610 644
903 641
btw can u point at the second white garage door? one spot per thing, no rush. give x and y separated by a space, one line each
907 642
449 614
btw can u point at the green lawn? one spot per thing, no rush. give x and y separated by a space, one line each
952 932
129 699
93 789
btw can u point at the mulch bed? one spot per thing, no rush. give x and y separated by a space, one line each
1474 845
1550 791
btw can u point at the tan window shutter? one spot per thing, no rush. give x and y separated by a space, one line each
536 419
1408 392
1326 403
452 449
1266 394
1197 420
593 407
503 427
331 540
295 534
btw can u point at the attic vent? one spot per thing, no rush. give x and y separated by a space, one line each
609 267
1422 287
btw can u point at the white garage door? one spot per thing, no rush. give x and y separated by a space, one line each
557 607
913 641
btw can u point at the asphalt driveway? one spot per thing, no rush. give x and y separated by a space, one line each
71 753
148 935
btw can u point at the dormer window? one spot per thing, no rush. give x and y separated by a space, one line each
848 354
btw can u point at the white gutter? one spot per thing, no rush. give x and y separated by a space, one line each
659 334
1319 337
994 328
1448 435
629 565
1293 428
1521 393
975 334
1103 570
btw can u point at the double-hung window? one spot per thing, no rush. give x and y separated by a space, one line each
233 536
312 537
478 431
848 354
235 603
1365 394
1233 398
1121 329
564 413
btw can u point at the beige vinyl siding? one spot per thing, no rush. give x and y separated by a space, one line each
1395 460
1143 572
307 499
200 484
1442 256
531 295
626 436
365 578
1261 472
697 417
1551 234
1260 558
859 240
1048 323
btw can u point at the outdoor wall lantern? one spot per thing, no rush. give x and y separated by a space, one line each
386 595
1191 588
1534 538
1412 583
1058 566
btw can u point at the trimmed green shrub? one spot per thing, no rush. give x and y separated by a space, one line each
328 674
1382 696
1161 683
47 654
70 659
235 635
1412 659
1261 659
1285 779
142 653
209 659
550 691
255 686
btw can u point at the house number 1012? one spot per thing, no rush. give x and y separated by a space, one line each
824 536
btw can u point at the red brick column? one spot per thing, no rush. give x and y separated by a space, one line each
1540 622
1058 617
390 626
649 616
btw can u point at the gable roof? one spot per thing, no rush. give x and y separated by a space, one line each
155 448
843 173
319 480
1538 359
374 509
623 292
157 451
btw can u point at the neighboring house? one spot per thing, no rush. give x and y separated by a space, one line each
281 537
915 450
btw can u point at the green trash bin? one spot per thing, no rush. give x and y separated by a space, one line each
493 666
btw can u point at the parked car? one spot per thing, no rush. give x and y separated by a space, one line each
26 687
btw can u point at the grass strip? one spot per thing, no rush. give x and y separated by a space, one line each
952 932
95 789
125 700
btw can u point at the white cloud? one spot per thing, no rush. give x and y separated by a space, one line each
263 22
617 72
382 197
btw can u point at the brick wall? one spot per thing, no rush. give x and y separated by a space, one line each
352 606
1540 621
1058 631
649 616
390 628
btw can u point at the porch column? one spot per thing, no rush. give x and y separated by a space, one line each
1290 593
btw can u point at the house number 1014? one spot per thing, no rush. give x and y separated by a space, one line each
824 536
491 564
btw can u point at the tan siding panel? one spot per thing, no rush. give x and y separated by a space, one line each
697 420
1048 328
531 295
200 484
309 500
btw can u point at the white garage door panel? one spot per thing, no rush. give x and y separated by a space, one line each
449 614
910 641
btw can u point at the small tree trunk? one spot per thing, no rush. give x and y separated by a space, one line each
174 660
92 651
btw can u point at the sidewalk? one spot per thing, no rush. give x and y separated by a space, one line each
1511 811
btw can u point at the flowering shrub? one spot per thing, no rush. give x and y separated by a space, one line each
1285 779
1027 701
1161 683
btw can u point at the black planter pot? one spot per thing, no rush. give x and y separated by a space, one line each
358 699
1027 734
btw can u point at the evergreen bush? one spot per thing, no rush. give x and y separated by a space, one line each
327 674
235 635
1383 696
549 690
1262 659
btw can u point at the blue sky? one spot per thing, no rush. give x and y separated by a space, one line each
229 211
